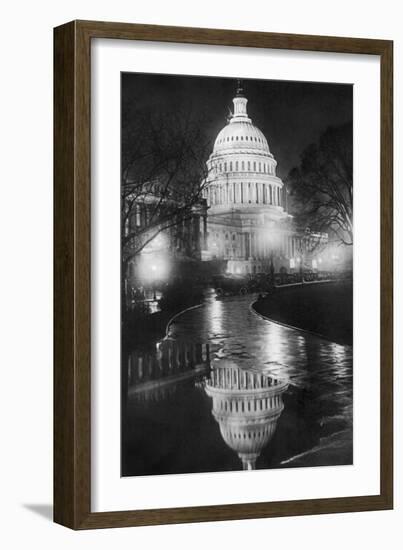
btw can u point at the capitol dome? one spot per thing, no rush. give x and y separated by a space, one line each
241 135
241 168
246 200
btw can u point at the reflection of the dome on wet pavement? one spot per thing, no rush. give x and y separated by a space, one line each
247 406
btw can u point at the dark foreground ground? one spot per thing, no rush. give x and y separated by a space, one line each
168 424
325 308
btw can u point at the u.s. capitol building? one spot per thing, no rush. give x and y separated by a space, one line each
247 221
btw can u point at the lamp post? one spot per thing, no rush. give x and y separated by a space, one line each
301 271
154 270
272 240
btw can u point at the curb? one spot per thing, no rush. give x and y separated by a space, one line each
291 327
172 319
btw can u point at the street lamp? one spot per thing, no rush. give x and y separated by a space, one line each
154 270
272 241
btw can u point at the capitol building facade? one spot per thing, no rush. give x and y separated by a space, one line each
247 221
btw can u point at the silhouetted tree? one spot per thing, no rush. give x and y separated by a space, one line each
321 187
162 172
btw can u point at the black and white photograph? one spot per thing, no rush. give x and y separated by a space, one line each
236 274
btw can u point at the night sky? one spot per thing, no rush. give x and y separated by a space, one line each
290 114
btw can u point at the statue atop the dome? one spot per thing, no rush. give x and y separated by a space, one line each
239 89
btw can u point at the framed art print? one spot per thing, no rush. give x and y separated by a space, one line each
223 275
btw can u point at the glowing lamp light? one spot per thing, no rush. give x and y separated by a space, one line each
152 268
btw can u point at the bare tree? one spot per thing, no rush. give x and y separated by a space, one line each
321 187
162 173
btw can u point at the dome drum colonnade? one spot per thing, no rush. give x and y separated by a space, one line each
245 198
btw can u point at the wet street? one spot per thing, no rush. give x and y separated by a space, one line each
252 394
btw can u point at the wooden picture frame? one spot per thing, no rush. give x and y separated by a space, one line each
72 270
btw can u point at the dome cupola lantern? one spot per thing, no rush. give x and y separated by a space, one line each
240 102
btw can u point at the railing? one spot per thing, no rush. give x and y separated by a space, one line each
172 362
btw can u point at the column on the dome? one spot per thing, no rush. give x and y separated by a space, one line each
262 243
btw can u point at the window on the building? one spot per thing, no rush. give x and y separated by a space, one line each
225 166
230 166
236 166
243 165
254 166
